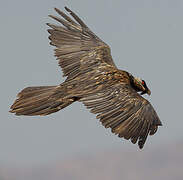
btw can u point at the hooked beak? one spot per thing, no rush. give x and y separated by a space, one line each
147 91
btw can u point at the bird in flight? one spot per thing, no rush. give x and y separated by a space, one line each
93 79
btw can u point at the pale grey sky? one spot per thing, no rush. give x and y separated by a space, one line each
146 38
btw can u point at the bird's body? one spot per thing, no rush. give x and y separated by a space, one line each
94 80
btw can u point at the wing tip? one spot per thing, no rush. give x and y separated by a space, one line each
67 9
48 24
59 11
56 9
51 16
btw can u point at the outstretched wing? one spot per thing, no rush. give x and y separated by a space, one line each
122 109
77 47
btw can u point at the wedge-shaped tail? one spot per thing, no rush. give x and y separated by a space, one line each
33 101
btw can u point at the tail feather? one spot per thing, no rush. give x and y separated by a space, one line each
31 91
39 101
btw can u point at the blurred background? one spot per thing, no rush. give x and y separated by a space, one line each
146 39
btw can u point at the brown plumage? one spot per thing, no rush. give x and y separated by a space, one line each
94 80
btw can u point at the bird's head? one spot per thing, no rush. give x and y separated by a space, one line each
140 86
